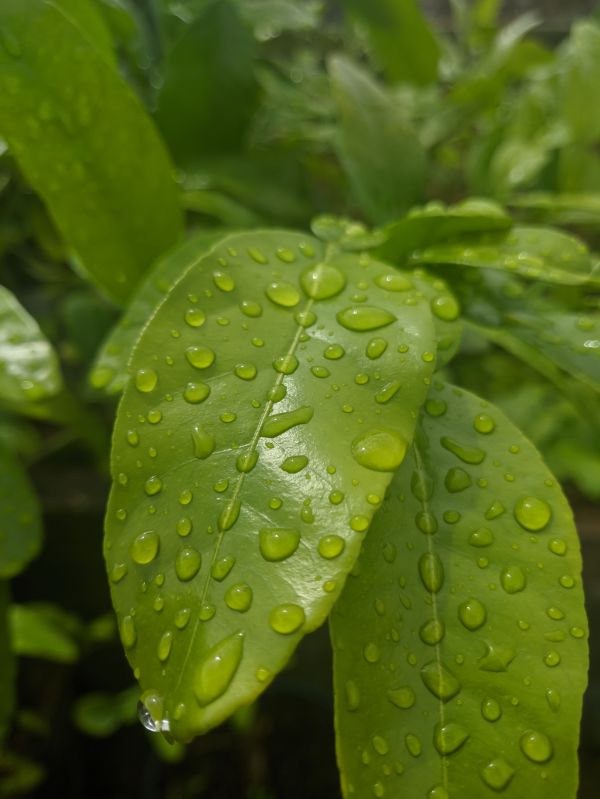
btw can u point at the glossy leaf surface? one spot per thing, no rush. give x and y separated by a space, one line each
209 94
110 368
460 646
28 364
436 223
538 253
273 394
379 150
61 104
402 40
20 517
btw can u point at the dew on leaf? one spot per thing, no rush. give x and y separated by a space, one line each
379 449
532 513
287 618
187 563
216 669
145 547
361 318
238 597
278 543
146 380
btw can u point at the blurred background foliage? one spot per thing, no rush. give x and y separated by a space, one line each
274 111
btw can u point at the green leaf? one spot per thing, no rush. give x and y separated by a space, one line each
110 368
88 18
580 81
102 714
43 631
460 646
29 367
560 209
209 93
535 252
402 40
8 667
270 17
435 223
20 517
237 506
379 150
85 144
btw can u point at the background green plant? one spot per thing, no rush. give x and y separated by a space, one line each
309 109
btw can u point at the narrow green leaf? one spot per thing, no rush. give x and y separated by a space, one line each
110 368
402 40
102 714
8 666
209 93
460 646
61 105
43 631
560 209
534 252
269 17
579 81
20 517
379 150
273 394
29 367
87 17
435 223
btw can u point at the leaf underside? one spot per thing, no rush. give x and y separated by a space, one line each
237 507
460 641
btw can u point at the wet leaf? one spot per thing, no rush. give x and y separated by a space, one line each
460 644
273 393
110 368
61 105
29 367
20 517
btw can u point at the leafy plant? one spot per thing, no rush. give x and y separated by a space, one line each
300 436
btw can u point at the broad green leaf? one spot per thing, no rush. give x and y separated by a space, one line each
435 223
209 93
273 394
110 368
102 714
84 142
7 664
580 81
29 367
20 517
379 150
43 631
86 15
402 40
460 644
535 252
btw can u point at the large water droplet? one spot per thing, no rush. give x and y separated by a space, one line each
431 571
284 294
187 563
481 538
146 380
239 597
457 480
403 697
224 281
286 364
380 450
195 393
279 423
445 308
440 680
497 658
472 455
532 513
497 773
449 738
472 614
199 357
294 464
490 709
229 515
365 317
216 669
278 543
287 618
413 745
246 461
393 282
203 442
322 281
513 579
331 546
163 650
222 567
194 317
334 352
484 424
128 632
376 347
145 547
536 746
432 632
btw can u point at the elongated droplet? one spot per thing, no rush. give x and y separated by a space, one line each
203 442
472 455
440 680
187 563
536 746
365 317
279 423
294 464
431 571
216 669
229 515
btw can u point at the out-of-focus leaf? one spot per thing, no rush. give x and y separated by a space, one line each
86 15
209 93
538 253
460 643
435 223
19 776
84 142
102 714
18 437
402 41
578 169
270 17
220 207
580 81
43 631
247 512
560 209
29 367
7 665
20 517
87 319
110 368
379 150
